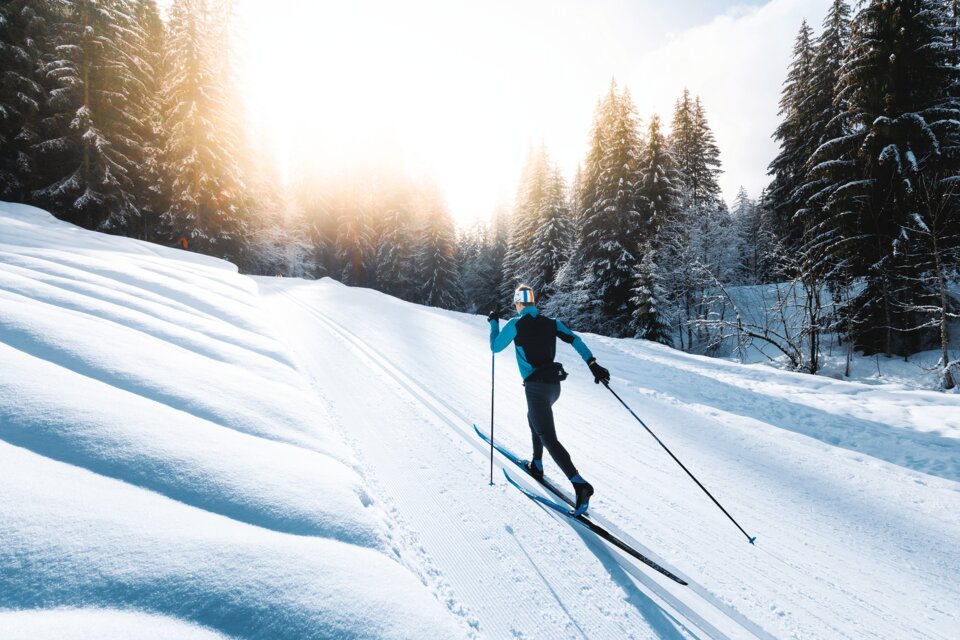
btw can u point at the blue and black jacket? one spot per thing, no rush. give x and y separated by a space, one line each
535 337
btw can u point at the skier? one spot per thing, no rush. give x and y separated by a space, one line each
535 338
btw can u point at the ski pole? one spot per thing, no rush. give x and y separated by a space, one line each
752 539
493 380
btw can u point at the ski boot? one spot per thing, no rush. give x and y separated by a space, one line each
535 468
583 491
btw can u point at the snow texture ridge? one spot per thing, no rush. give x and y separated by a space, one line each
167 470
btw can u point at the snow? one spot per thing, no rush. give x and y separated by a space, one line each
191 453
164 458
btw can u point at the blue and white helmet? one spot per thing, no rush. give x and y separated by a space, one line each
523 294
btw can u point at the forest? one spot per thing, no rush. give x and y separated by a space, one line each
121 120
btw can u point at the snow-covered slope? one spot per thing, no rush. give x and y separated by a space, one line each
161 455
195 451
852 489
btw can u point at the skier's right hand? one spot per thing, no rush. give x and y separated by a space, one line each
599 373
494 315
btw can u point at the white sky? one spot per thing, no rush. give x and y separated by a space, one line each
459 91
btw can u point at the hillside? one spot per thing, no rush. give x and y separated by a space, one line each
193 453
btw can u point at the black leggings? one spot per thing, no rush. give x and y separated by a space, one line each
540 399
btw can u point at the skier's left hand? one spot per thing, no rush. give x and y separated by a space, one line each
494 316
599 373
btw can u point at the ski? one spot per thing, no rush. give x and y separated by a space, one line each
566 510
520 462
597 529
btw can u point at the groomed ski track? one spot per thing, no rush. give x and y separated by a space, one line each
405 384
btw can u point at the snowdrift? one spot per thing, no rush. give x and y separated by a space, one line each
167 470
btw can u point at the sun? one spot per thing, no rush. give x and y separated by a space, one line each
434 89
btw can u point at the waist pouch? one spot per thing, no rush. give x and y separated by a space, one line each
552 373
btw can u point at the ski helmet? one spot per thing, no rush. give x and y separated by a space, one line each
523 294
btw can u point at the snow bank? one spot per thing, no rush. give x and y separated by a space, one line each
166 465
97 624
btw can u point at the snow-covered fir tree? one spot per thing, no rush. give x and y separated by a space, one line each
551 241
649 301
659 179
518 264
795 135
703 229
755 237
613 214
354 245
88 124
436 263
22 31
206 189
481 278
659 184
828 114
143 45
898 158
396 254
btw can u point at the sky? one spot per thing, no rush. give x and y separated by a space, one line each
458 92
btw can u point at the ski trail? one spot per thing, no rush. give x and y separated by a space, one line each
468 539
721 612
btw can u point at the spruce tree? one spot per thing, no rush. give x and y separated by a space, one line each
702 228
829 126
396 255
550 246
649 301
436 264
659 180
354 245
795 135
518 263
22 30
613 212
87 123
899 158
207 198
143 46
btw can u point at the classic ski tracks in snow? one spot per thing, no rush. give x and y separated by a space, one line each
461 424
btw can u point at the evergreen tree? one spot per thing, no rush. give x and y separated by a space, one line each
829 127
702 229
354 246
436 264
518 263
696 153
649 301
87 124
659 180
613 212
143 46
795 135
488 294
898 158
207 198
551 241
22 28
396 255
754 239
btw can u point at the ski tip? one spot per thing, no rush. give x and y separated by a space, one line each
752 540
511 480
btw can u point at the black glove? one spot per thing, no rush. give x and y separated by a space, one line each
494 316
599 373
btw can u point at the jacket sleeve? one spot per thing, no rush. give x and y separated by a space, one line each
564 333
500 339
